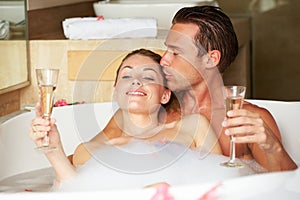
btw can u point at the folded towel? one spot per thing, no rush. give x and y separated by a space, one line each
97 28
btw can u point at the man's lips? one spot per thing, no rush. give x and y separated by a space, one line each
136 93
168 76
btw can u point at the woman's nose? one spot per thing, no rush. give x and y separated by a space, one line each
136 82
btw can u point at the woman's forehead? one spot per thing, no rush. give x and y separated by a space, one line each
137 60
141 62
148 67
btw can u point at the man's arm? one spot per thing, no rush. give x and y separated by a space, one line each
257 128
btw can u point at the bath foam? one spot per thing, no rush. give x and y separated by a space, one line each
139 164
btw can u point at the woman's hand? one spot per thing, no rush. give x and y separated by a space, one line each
41 127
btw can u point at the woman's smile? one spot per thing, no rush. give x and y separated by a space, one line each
136 93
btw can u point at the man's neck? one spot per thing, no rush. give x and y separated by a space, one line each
197 100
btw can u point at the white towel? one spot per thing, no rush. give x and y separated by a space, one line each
94 28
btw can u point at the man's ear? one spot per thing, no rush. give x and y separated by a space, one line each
166 96
213 58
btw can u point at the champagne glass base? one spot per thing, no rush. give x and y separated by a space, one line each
45 149
232 164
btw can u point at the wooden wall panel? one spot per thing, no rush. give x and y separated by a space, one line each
47 23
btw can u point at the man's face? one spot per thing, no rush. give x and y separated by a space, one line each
181 60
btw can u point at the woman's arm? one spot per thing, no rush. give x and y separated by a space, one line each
57 158
61 165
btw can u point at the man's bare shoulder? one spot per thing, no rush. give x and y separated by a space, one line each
255 108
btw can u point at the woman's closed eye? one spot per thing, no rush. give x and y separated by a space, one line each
148 78
126 76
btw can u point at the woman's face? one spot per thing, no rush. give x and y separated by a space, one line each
139 87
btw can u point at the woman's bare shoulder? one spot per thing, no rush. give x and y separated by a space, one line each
83 153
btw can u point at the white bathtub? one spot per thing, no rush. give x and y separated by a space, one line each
17 150
18 156
163 11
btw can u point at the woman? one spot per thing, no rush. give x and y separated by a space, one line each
140 91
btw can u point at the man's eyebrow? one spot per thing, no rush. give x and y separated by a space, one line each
172 46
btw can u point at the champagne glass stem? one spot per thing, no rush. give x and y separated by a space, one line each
46 139
232 150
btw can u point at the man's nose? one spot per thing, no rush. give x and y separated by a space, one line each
165 60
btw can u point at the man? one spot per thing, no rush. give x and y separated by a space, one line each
201 44
202 40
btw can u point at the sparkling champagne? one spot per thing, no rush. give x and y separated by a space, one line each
234 102
47 98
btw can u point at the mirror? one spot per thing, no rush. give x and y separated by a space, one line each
13 46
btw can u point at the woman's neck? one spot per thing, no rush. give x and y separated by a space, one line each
140 125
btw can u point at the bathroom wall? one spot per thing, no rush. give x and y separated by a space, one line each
276 45
38 4
85 86
45 17
79 79
275 35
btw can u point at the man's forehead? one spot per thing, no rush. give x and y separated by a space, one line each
179 41
187 29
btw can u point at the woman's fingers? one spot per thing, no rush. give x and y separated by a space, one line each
38 110
39 128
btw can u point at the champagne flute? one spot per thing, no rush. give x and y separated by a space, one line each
47 80
234 97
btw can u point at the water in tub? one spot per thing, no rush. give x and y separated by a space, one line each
34 181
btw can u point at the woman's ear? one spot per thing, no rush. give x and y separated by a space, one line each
166 96
213 58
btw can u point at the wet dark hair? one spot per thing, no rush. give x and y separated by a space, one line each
216 31
147 53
